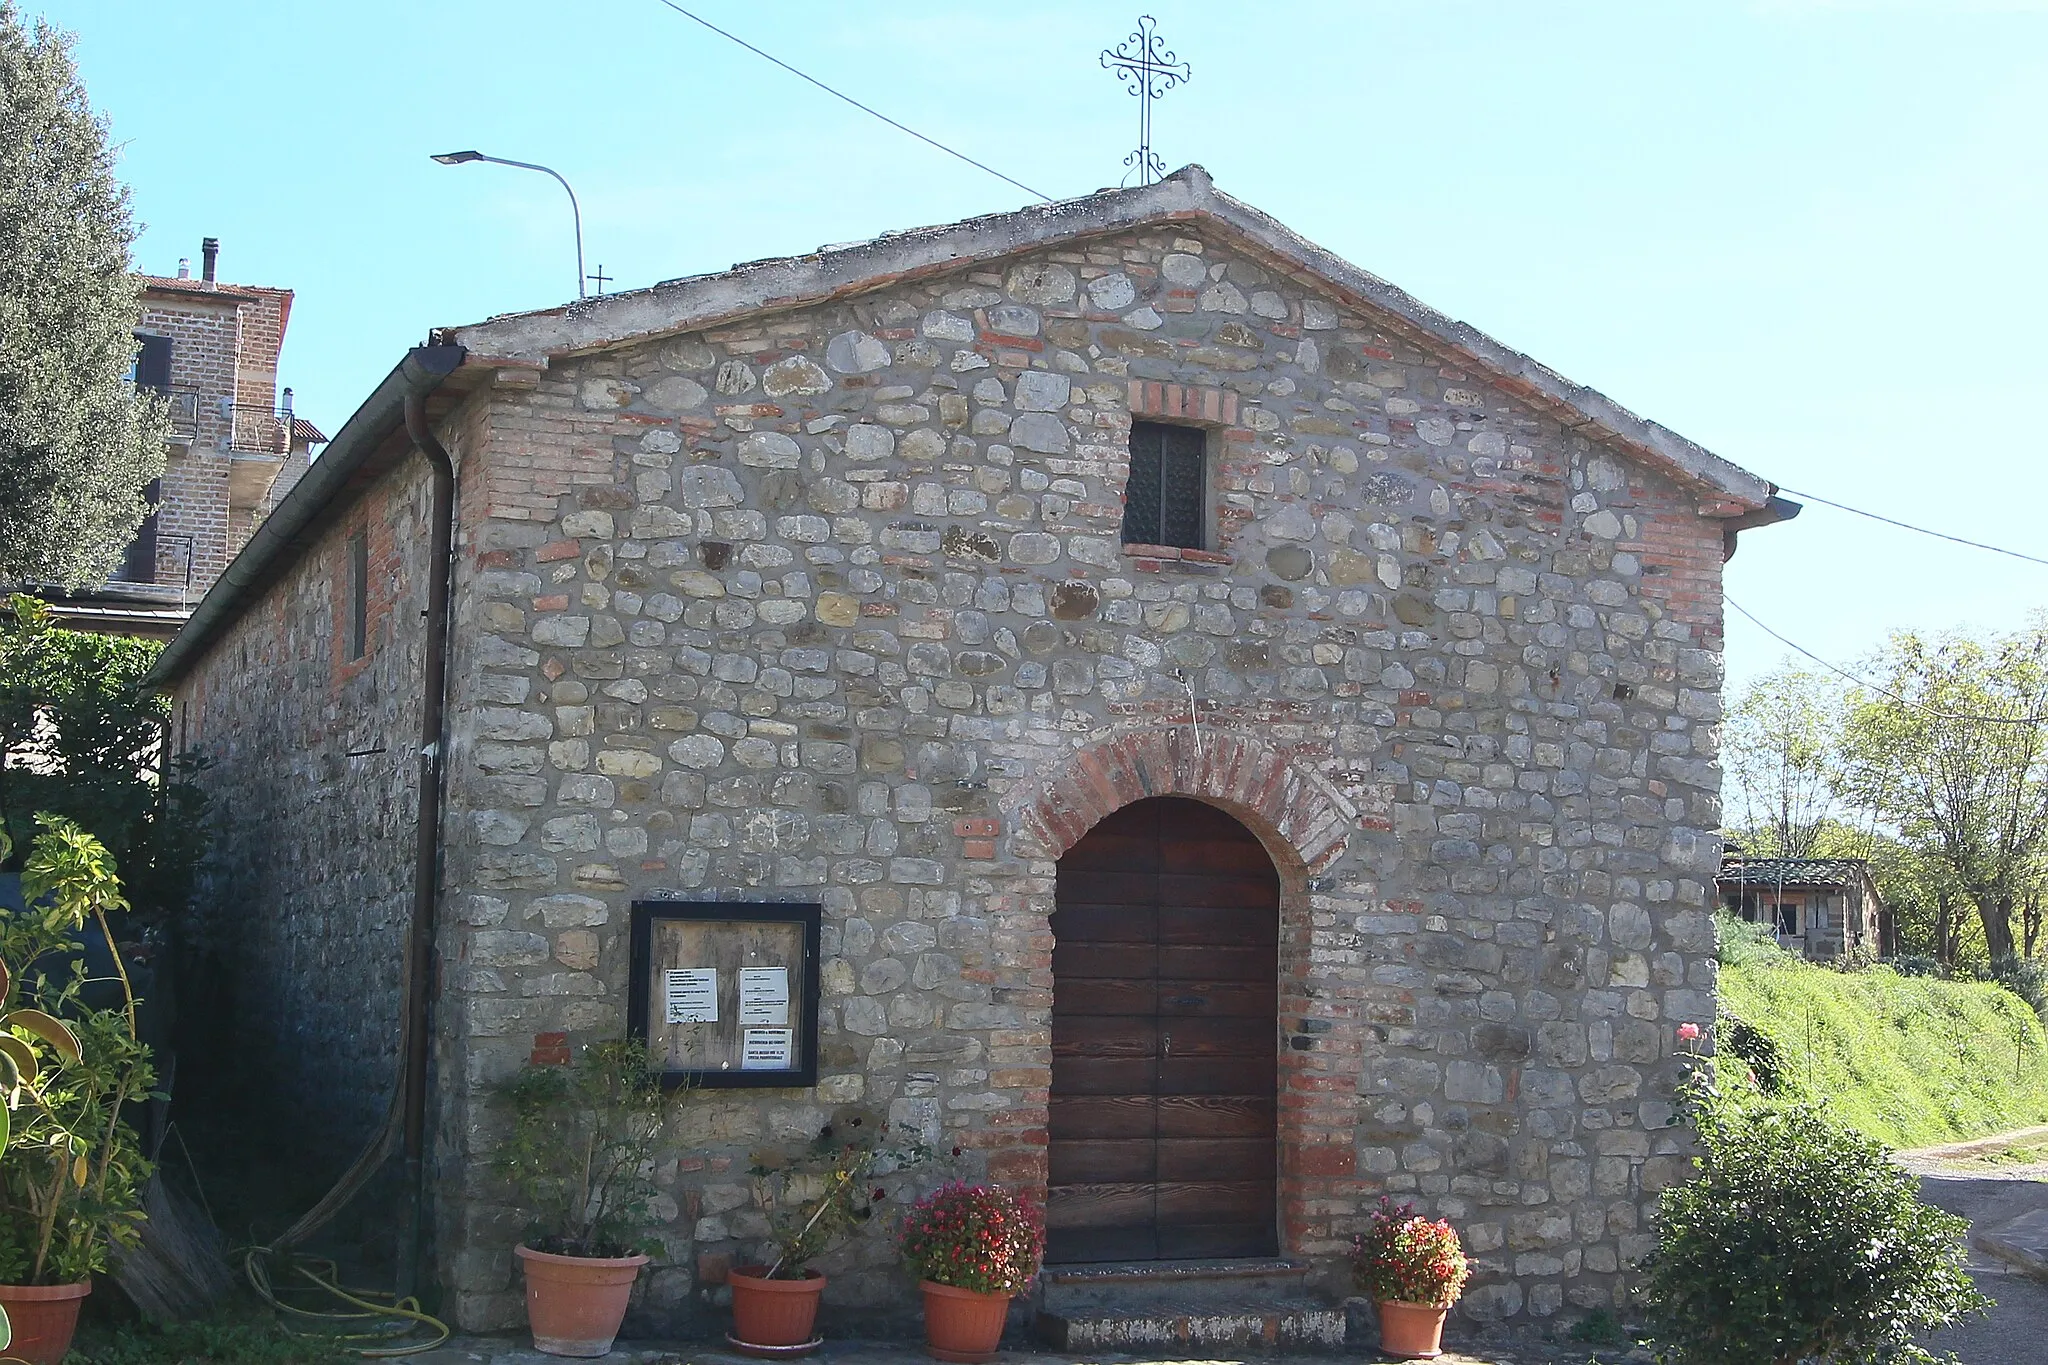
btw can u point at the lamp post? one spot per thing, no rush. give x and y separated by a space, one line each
462 158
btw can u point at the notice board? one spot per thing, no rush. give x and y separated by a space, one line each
725 993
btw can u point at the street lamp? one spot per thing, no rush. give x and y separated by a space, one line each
462 158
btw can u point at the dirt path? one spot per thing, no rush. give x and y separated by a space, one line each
1990 1193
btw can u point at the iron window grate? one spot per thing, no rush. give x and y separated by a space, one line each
1163 499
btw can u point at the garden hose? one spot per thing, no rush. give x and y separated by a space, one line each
399 1314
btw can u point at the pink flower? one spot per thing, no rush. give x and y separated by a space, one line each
1688 1033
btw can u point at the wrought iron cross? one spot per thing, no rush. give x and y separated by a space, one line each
1148 72
600 279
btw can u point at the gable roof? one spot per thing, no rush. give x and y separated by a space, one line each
1187 196
1792 871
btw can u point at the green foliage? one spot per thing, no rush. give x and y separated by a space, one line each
1754 1048
84 739
817 1198
1599 1328
235 1336
72 1173
581 1149
1908 1060
78 443
1799 1239
1784 760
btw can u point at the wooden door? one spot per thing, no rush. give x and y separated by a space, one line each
1164 1040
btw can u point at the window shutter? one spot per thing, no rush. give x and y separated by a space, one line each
138 563
153 363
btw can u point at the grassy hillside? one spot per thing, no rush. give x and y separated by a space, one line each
1911 1061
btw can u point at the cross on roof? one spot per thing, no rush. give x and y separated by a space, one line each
1148 72
600 279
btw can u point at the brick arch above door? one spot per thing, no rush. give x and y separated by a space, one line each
1301 818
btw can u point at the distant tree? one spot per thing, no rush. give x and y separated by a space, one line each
1783 751
78 444
1956 761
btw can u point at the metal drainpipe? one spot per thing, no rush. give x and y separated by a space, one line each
420 965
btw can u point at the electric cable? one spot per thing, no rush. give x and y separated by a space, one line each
865 109
1909 526
2034 719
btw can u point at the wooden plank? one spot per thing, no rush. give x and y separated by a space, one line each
1090 995
1101 1076
1116 961
1227 925
1223 1116
1208 1075
1213 1201
1224 1037
1092 1161
1198 1242
1107 1205
1092 922
1208 999
1210 963
1080 1246
1119 1116
1206 1158
1250 896
1110 1036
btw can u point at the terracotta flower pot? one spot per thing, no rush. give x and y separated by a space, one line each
1412 1331
574 1304
43 1316
781 1315
960 1325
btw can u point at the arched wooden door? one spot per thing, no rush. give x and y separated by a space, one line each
1165 1062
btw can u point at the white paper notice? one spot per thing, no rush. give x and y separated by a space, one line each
764 995
766 1049
692 995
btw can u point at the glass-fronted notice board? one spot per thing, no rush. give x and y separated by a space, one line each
726 993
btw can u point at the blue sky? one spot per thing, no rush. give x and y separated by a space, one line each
1808 235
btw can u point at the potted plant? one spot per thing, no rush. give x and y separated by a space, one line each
972 1248
1413 1269
71 1168
814 1200
579 1157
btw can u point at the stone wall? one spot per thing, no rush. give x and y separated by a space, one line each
832 605
314 770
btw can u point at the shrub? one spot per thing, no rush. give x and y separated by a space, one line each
820 1197
1799 1240
1754 1048
580 1153
1403 1257
975 1237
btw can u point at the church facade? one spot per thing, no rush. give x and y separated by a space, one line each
1251 739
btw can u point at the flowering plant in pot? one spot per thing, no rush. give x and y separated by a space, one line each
814 1199
71 1168
1413 1268
972 1248
579 1157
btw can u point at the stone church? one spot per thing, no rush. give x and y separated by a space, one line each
1250 741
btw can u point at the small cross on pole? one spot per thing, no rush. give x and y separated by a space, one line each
1148 72
600 279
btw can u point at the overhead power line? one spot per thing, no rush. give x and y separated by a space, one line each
865 109
1909 526
1869 686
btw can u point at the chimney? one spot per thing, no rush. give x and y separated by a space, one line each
184 267
209 252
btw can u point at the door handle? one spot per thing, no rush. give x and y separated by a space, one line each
1166 1040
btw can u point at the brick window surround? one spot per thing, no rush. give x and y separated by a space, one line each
1320 1034
1214 410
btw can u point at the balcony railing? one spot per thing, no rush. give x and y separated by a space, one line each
259 430
184 405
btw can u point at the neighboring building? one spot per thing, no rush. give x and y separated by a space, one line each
212 350
1823 908
931 579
